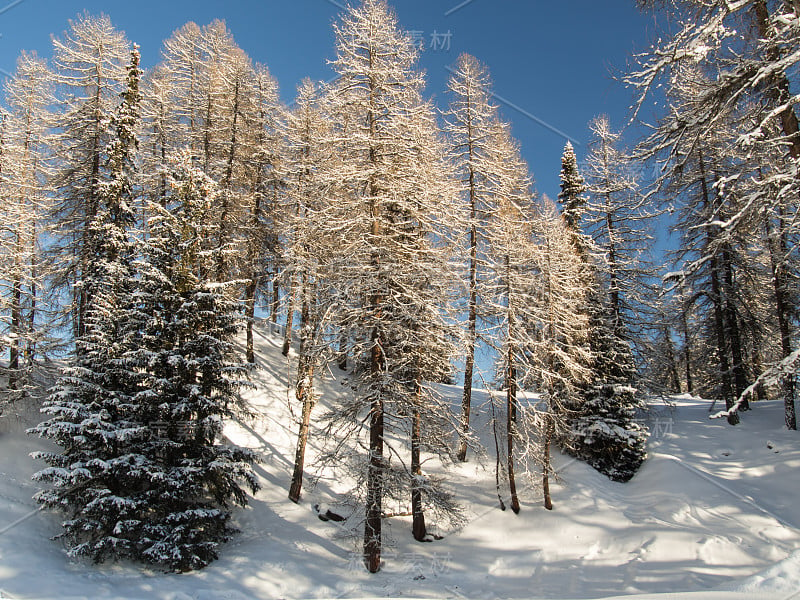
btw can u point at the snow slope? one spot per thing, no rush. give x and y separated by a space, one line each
709 516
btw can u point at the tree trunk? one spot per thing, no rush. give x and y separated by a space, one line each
687 352
374 503
250 313
673 367
287 333
304 389
497 455
716 300
548 437
15 328
733 331
780 91
342 362
469 368
418 528
511 395
276 296
30 349
778 248
305 394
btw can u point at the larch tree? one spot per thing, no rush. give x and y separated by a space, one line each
391 270
309 250
508 287
617 220
89 66
470 121
26 202
558 356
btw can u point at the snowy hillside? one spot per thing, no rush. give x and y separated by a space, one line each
712 510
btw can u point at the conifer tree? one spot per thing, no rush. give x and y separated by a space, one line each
393 197
93 417
471 119
25 204
733 94
602 428
138 413
89 65
309 250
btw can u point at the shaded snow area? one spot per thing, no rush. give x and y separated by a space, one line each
711 515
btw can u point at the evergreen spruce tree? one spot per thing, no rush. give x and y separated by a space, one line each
139 412
93 416
602 429
189 382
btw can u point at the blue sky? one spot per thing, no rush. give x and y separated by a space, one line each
554 61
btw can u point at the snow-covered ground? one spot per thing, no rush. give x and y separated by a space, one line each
711 515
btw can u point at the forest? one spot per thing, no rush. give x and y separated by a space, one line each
152 216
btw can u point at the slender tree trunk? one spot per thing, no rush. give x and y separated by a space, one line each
716 300
497 455
613 283
342 362
469 368
287 334
687 352
276 296
758 365
778 249
375 471
304 389
305 395
548 437
733 331
673 367
250 313
253 281
722 346
30 349
227 191
511 408
418 528
15 328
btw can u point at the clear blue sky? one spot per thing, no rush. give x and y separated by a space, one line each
553 60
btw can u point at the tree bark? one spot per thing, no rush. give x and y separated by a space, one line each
548 437
511 408
469 368
418 528
374 503
287 333
276 297
15 328
778 248
304 390
780 91
733 331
